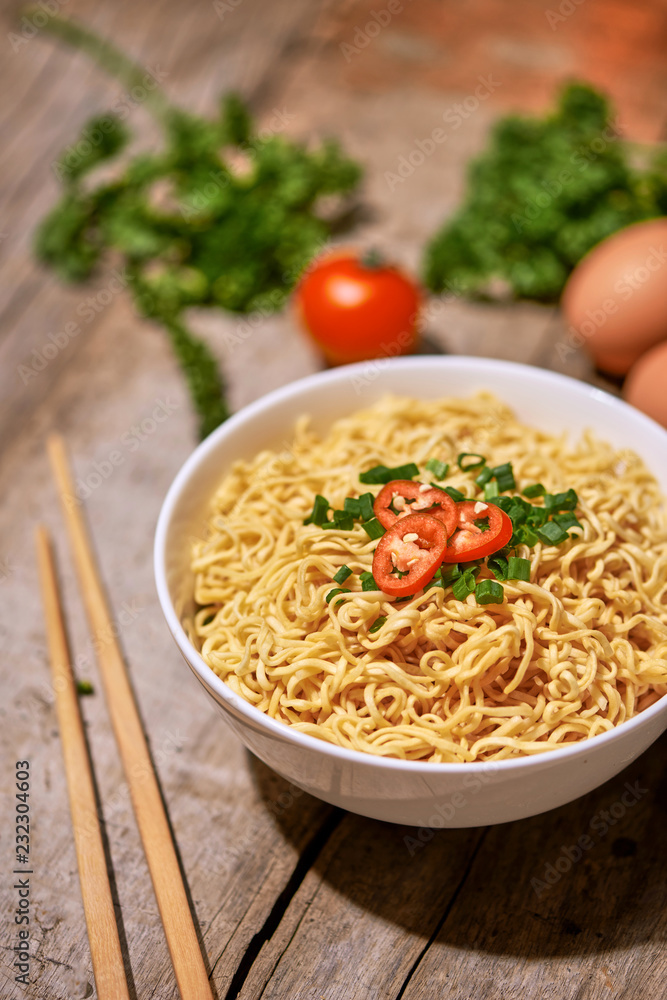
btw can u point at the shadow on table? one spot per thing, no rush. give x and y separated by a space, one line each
582 878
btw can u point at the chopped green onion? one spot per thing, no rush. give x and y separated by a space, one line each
342 520
335 592
552 533
518 568
524 535
377 624
482 523
484 476
373 528
537 490
567 520
489 592
450 574
454 493
491 491
464 584
561 501
342 574
537 517
368 581
469 466
351 506
504 476
438 468
498 566
383 474
366 501
319 512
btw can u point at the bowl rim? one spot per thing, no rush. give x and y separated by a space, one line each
281 730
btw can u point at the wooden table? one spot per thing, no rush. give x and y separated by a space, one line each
294 899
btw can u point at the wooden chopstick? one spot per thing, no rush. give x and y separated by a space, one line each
103 937
165 872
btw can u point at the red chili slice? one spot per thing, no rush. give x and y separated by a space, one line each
481 531
430 500
414 546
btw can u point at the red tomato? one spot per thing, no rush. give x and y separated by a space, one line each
429 500
356 309
413 547
481 532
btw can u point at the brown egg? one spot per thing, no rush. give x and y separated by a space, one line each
646 384
615 300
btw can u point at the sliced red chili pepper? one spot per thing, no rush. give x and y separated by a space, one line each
483 528
409 553
401 497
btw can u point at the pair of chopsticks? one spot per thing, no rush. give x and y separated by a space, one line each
108 967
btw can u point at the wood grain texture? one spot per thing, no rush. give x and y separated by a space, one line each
292 897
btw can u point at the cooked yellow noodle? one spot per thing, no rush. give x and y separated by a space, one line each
574 652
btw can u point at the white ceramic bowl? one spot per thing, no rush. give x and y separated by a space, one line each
420 794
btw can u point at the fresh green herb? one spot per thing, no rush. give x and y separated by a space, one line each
561 501
518 568
544 192
455 494
342 574
319 512
366 501
464 584
489 592
449 573
491 490
482 523
335 593
537 517
504 476
469 466
537 490
351 506
567 520
342 520
377 624
373 528
84 688
485 475
368 581
523 535
221 237
383 474
438 468
552 533
498 566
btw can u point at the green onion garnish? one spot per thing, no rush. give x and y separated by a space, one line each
319 512
342 519
342 574
498 566
438 468
537 490
489 592
368 581
524 535
351 506
552 533
450 574
383 474
377 624
366 501
335 592
373 528
537 517
504 476
567 520
484 476
518 568
482 523
561 501
469 466
491 490
455 494
464 584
